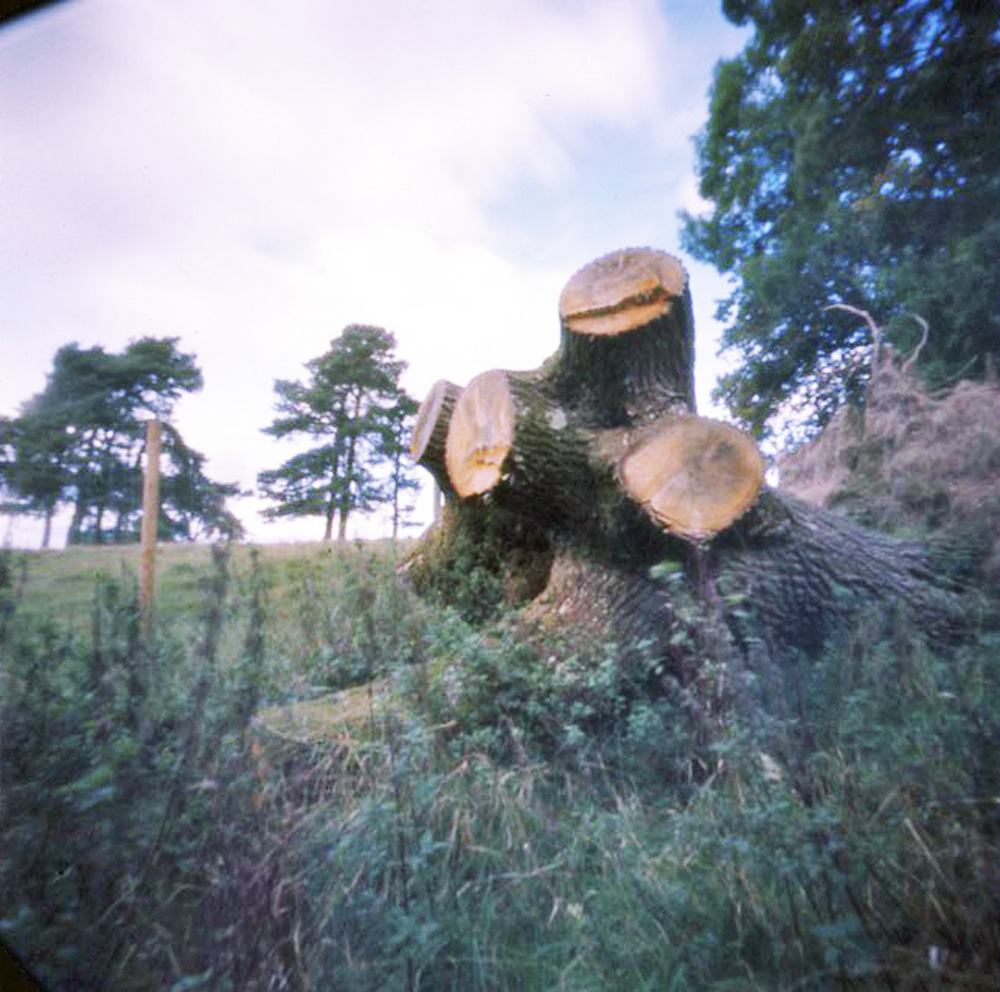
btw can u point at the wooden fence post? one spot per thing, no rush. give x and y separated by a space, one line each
150 519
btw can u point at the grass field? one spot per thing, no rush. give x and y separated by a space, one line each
67 577
491 818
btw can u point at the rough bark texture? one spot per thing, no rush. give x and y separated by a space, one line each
805 572
627 347
509 438
615 482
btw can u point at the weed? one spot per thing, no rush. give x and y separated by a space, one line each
498 817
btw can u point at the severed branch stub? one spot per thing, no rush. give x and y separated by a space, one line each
622 291
430 432
695 476
600 456
480 435
627 348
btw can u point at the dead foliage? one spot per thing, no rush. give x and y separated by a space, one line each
911 462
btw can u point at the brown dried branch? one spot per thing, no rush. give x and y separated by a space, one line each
870 321
908 364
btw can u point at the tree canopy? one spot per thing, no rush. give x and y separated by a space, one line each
80 442
852 156
352 406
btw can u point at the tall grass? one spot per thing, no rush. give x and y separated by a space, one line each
496 820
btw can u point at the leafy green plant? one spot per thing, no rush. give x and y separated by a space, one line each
510 818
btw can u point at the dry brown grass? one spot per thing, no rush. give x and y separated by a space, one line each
911 462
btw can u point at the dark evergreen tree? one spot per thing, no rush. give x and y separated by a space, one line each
852 155
351 406
81 441
32 473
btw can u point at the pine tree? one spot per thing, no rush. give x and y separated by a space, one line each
350 406
81 440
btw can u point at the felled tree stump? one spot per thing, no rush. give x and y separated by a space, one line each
430 433
600 453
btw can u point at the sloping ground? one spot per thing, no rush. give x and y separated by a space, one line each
912 463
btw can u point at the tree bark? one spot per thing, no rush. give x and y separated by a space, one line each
508 438
627 342
397 459
149 528
805 572
345 499
600 452
331 506
76 523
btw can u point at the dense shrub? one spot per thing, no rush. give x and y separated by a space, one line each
126 793
515 819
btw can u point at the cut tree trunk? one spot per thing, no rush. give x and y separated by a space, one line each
694 476
627 348
509 439
430 431
601 455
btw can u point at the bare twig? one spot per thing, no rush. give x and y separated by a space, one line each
870 321
908 364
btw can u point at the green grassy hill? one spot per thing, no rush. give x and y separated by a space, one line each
63 581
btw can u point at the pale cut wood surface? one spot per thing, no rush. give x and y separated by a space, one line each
481 434
695 476
621 291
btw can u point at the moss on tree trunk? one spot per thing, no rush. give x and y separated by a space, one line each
597 470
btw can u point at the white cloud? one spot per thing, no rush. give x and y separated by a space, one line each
254 180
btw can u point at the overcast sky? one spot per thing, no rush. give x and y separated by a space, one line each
252 177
